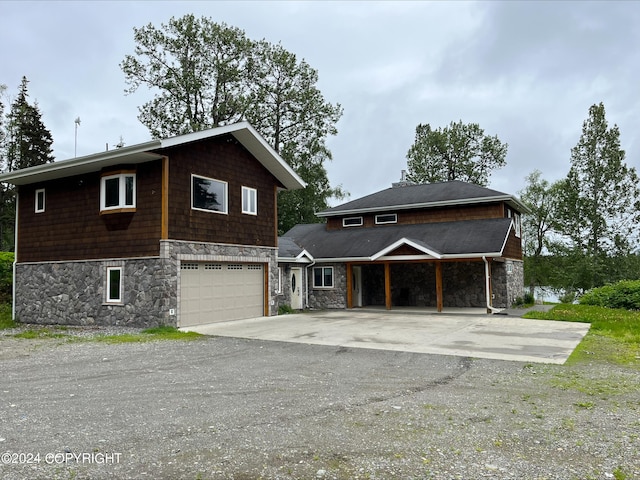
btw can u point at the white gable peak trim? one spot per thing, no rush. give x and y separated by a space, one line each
405 241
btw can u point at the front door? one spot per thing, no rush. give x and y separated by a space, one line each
356 286
295 283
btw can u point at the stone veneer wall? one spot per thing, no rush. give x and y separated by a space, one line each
336 297
507 282
73 293
414 284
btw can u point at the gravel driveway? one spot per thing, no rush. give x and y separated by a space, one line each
225 408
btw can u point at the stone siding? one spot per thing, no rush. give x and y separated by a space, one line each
74 293
507 282
336 297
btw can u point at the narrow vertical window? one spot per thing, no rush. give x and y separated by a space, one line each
40 200
249 201
114 284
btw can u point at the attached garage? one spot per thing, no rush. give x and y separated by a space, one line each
218 292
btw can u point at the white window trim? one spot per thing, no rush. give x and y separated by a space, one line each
323 286
252 197
395 218
108 299
344 220
121 191
279 284
40 210
226 195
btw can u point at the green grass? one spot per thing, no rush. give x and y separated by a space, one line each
5 316
614 336
149 335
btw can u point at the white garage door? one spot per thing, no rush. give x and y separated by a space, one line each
217 292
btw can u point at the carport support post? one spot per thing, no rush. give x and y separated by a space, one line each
387 285
439 302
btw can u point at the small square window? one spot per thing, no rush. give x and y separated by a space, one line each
118 191
208 194
249 201
114 284
352 222
40 200
323 277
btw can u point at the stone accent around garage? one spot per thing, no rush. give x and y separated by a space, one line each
74 293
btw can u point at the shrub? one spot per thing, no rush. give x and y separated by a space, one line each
284 310
6 276
624 294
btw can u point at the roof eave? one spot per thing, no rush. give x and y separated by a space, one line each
410 206
49 171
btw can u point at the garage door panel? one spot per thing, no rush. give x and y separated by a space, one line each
218 292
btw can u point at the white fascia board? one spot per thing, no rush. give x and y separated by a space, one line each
254 143
506 237
405 241
77 166
462 201
302 257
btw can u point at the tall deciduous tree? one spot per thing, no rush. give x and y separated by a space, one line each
208 74
456 152
538 225
599 206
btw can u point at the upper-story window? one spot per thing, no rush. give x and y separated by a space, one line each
249 201
118 191
40 200
352 222
386 218
209 194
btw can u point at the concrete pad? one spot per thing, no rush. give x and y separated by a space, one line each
468 334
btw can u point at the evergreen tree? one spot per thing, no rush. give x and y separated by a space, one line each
24 142
599 204
28 140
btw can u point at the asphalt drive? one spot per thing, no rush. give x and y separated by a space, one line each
228 408
459 332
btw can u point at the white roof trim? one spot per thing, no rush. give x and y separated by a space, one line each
453 256
243 132
302 257
406 241
459 201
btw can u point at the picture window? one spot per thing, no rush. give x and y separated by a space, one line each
208 194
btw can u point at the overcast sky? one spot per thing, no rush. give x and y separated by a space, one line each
525 71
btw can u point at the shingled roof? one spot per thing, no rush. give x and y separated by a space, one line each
462 239
423 196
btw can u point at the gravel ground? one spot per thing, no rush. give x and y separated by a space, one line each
224 408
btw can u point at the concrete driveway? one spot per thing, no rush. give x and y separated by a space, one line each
465 332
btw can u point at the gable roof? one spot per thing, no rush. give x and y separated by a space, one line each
423 196
461 239
246 135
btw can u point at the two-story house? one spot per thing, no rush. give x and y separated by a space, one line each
440 245
178 231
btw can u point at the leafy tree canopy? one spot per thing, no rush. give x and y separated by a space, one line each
456 152
208 74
